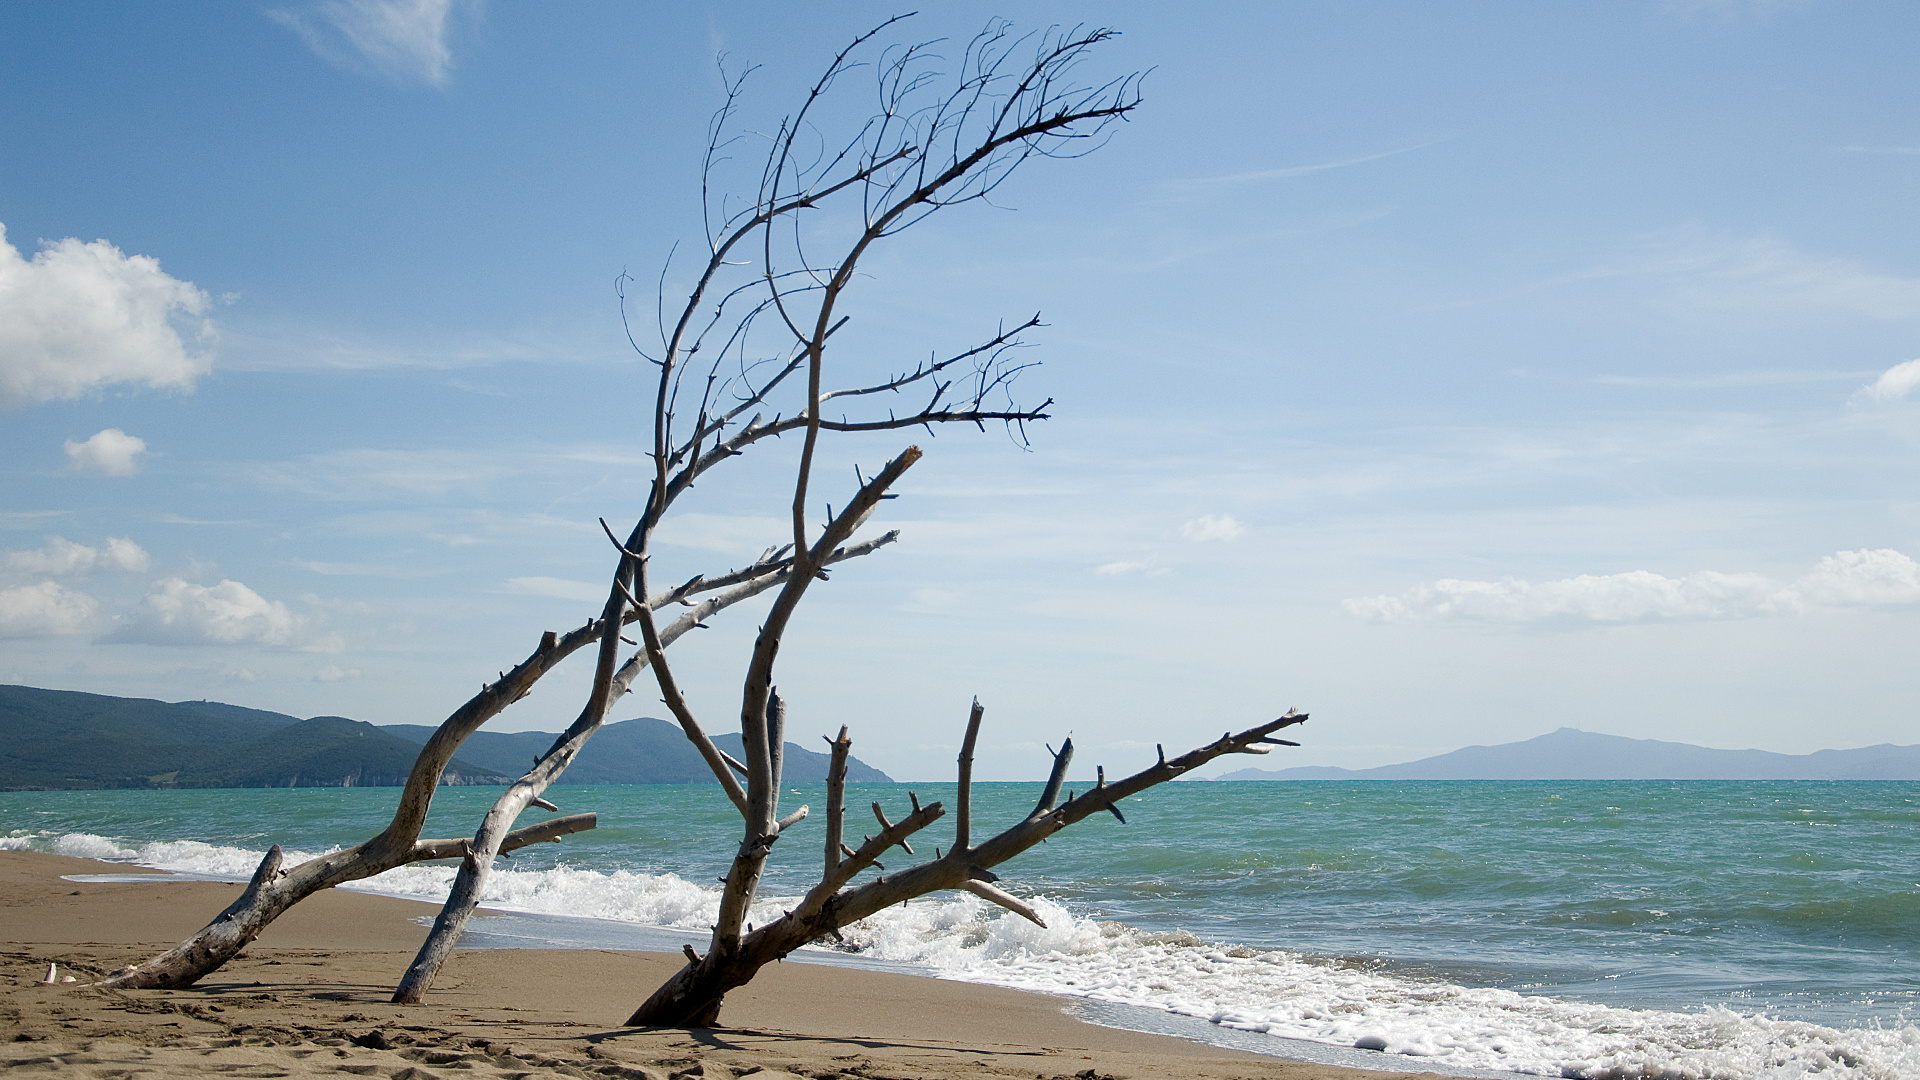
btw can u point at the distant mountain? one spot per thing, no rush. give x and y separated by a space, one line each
53 739
65 739
1572 754
640 751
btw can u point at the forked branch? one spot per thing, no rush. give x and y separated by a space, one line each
693 996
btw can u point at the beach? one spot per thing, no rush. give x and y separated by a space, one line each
310 999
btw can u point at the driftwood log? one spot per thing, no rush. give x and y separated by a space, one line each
274 888
273 891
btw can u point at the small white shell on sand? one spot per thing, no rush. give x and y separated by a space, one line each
68 979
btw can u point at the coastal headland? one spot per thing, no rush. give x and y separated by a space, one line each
310 999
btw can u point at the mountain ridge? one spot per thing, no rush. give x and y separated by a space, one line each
72 740
1572 754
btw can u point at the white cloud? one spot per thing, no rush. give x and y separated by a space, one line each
403 39
1863 578
560 588
78 317
1845 579
1896 382
334 673
111 451
179 612
47 609
1213 527
60 556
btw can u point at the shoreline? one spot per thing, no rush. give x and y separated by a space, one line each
310 998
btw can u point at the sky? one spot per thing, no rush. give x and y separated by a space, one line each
1454 373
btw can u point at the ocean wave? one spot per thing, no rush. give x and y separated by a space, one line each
1276 992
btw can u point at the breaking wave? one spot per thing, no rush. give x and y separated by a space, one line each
1272 991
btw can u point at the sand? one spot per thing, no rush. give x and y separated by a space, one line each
310 999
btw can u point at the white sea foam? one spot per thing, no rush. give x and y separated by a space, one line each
1274 992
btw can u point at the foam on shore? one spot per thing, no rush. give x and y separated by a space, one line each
1273 992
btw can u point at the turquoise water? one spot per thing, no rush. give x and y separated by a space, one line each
1741 904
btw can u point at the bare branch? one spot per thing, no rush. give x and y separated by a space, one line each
1051 793
836 794
548 832
963 799
1006 900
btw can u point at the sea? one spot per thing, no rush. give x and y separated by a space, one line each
1595 929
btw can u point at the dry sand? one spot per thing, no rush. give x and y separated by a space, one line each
310 999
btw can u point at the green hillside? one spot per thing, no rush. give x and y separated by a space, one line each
52 739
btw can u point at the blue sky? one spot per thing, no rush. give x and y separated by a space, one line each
1454 372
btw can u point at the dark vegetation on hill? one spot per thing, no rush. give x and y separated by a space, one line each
63 739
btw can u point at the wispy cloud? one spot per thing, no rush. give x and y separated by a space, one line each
1284 172
1729 379
1733 11
289 345
402 39
1121 569
365 474
79 317
1692 270
1752 272
1213 527
738 536
558 588
1847 579
373 570
60 557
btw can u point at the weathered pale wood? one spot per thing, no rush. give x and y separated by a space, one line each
477 863
547 832
692 998
1005 899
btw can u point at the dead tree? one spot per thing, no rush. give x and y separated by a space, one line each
715 386
927 149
